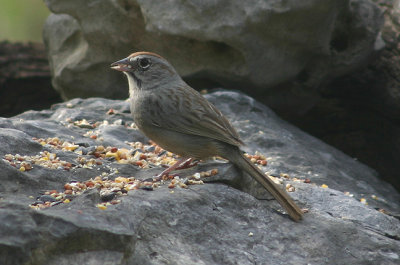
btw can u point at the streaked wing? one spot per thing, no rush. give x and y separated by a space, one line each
188 112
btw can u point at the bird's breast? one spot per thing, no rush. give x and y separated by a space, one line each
144 109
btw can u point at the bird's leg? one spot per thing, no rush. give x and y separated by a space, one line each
188 163
182 163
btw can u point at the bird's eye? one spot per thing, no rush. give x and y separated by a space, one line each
144 63
131 59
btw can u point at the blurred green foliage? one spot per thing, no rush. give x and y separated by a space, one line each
22 20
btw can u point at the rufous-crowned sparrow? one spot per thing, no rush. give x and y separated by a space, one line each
180 120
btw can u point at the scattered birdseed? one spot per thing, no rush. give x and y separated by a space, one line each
251 234
142 155
91 134
111 111
290 188
139 156
257 158
182 185
44 159
110 189
195 182
383 211
101 206
284 175
348 194
364 201
57 143
324 186
84 124
196 176
275 179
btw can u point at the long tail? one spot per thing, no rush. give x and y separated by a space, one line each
279 194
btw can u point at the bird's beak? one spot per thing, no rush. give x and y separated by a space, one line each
122 65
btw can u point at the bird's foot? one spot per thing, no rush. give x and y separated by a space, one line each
188 163
180 164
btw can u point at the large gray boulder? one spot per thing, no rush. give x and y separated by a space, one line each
219 222
357 113
252 45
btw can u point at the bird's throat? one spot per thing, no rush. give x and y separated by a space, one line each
134 83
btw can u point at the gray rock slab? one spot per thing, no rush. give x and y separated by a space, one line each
228 220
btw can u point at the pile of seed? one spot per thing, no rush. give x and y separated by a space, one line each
144 156
44 159
257 158
111 190
141 155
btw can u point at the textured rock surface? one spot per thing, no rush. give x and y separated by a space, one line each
205 224
358 113
247 45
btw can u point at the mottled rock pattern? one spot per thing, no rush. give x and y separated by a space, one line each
205 224
357 113
252 45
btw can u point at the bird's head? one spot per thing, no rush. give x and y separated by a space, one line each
146 70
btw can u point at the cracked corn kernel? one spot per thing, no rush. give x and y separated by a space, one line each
121 180
324 186
262 162
69 147
183 185
101 206
66 201
348 194
195 182
284 175
111 154
290 188
274 179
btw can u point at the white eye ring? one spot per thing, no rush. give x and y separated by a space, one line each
144 63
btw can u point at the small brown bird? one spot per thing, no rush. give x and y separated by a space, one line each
180 120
